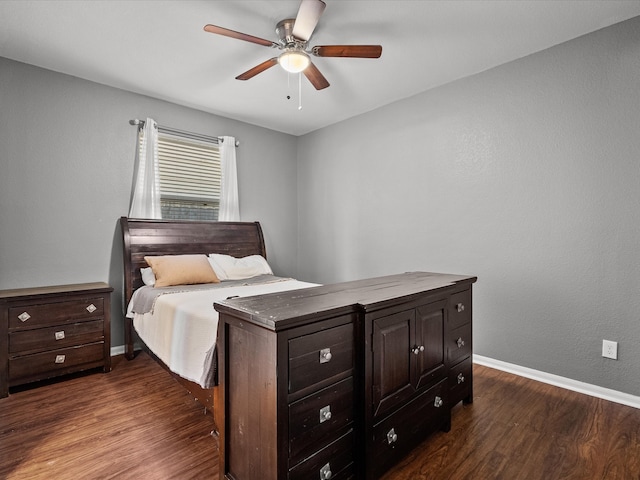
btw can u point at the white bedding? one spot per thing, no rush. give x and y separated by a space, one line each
182 327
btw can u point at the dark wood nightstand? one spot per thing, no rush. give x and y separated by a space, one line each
50 331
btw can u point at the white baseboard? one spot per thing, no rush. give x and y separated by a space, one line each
551 379
558 381
119 350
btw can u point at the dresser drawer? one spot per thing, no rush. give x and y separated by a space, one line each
70 311
458 343
320 356
39 366
460 309
336 458
318 418
400 432
460 380
60 336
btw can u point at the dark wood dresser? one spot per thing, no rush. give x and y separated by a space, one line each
340 381
51 331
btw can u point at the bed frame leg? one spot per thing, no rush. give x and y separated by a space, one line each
128 338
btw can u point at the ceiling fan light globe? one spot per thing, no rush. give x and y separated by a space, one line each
294 61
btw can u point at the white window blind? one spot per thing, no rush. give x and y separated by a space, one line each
190 177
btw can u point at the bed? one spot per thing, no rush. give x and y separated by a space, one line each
191 305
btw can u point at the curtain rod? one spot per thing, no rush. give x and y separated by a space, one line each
181 133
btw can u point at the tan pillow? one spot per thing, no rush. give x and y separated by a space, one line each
181 270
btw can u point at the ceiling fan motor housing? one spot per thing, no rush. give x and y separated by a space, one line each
284 30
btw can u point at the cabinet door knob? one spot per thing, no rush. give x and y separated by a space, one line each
325 355
91 308
460 307
24 316
460 378
438 402
325 413
417 349
60 358
59 335
392 437
460 342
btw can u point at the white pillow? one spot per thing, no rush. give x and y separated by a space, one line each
231 268
148 278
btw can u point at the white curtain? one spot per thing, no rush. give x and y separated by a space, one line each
229 207
145 201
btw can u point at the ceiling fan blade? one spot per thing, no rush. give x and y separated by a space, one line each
315 77
309 13
357 51
240 36
252 72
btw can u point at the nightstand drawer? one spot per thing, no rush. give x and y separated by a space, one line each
458 343
60 336
318 418
39 366
460 309
55 313
320 356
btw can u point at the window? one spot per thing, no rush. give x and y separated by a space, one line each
179 175
190 175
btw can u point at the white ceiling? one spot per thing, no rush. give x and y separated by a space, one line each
159 48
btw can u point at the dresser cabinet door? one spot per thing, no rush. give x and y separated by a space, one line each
429 349
408 353
393 362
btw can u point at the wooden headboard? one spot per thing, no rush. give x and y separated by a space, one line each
142 237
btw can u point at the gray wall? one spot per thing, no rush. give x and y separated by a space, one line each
526 175
66 167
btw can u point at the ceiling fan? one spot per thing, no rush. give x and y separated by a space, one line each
293 36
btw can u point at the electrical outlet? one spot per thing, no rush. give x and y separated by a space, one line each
610 349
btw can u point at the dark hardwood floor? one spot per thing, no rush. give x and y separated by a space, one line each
518 428
134 422
137 422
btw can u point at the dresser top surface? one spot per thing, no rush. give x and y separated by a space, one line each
78 288
280 310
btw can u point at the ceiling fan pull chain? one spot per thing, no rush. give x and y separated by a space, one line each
300 91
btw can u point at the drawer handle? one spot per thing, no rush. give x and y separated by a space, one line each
24 316
438 402
91 308
460 307
417 349
391 436
325 413
325 355
59 335
460 378
325 472
60 358
460 342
